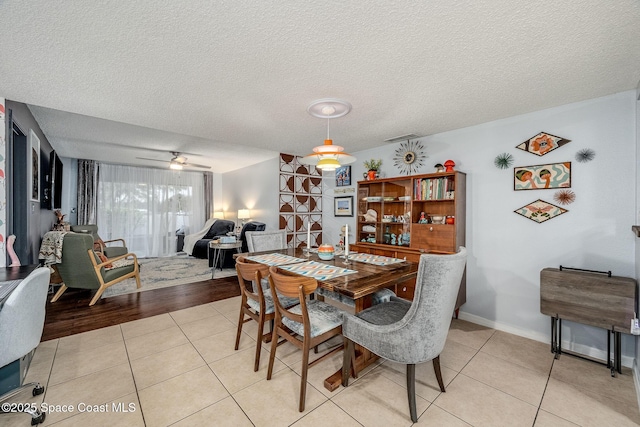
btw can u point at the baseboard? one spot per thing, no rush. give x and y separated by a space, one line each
636 380
592 352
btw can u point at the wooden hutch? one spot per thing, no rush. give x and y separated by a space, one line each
404 225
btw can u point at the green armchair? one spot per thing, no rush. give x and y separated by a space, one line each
82 268
101 245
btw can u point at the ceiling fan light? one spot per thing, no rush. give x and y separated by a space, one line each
175 165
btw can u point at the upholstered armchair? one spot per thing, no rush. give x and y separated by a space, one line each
410 332
82 268
220 227
110 248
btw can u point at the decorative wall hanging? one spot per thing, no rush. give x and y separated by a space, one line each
539 177
343 176
33 166
564 197
585 155
542 143
409 157
300 201
343 206
540 211
503 161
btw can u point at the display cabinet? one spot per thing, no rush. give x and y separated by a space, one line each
405 217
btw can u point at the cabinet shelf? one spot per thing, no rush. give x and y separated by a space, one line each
438 194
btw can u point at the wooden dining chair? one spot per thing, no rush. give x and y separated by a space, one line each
305 325
256 301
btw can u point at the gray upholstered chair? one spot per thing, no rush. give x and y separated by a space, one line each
82 268
305 325
21 325
258 241
102 245
410 332
256 301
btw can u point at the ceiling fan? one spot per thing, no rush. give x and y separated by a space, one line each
177 162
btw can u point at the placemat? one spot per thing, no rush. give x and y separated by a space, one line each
317 270
275 259
374 259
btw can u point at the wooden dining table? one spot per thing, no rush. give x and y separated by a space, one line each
367 279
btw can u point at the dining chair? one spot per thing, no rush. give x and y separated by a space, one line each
256 301
305 325
259 241
21 326
410 332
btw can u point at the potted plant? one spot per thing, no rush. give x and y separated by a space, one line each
372 166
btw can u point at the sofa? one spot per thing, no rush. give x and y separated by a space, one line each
219 228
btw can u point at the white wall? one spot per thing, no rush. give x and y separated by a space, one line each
506 250
255 188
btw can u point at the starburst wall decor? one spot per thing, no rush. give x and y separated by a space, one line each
503 161
409 157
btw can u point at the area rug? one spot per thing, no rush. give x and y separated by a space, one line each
163 272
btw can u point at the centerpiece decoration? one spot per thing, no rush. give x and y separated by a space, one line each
326 252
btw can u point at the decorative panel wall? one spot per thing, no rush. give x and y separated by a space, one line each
300 201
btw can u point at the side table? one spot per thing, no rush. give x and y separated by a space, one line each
217 249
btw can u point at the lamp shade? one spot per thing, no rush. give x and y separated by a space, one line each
218 214
244 214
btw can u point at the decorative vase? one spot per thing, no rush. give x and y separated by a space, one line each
371 175
326 252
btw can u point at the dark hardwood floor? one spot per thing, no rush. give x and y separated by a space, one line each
71 314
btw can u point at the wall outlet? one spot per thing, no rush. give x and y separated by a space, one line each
635 327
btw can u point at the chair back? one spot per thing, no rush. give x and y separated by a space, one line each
429 318
22 316
259 241
76 268
251 272
91 229
292 287
250 226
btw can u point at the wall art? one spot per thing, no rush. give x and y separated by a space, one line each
540 211
542 143
343 206
343 176
33 167
585 155
540 177
409 157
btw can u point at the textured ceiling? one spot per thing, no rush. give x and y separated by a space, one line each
231 80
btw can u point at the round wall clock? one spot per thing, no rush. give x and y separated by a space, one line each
409 157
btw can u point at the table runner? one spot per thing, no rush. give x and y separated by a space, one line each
317 270
274 259
374 259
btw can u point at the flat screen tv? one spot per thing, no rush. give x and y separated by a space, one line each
55 180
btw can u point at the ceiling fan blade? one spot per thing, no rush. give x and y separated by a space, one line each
193 165
153 160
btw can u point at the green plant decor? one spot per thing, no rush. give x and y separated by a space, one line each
373 164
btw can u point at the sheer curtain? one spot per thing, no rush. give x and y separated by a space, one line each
146 206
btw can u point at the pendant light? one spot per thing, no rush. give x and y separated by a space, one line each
328 156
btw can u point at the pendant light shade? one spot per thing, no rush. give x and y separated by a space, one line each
328 156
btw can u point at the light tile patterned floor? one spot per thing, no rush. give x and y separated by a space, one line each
180 369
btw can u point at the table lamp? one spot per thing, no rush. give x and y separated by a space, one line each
243 215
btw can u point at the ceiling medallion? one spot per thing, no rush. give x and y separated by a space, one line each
409 157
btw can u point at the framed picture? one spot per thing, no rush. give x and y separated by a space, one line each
33 167
343 176
542 177
343 206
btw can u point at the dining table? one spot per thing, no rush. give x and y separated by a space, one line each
358 278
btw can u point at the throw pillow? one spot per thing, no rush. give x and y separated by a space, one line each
103 258
98 244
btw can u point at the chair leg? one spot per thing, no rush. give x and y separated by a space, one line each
97 296
411 391
59 293
274 346
240 322
346 361
305 368
436 368
256 363
137 276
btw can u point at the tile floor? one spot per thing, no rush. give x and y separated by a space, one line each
180 369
